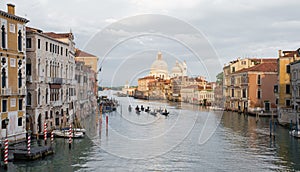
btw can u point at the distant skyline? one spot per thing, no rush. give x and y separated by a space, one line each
234 29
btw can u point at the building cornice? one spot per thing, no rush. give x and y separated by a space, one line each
14 17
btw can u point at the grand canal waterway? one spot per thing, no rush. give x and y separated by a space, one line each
190 139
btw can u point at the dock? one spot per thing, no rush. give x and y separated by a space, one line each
21 153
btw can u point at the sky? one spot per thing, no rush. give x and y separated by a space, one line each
126 35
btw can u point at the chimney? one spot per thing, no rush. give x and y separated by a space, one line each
280 53
11 9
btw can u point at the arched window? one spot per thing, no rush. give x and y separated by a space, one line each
39 68
20 40
28 99
47 96
39 96
3 34
3 78
20 79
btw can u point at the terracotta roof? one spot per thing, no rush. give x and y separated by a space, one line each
289 53
80 53
263 67
58 35
33 29
147 77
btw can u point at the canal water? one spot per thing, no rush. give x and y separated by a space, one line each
191 138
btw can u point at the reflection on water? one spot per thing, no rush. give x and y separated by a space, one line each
177 143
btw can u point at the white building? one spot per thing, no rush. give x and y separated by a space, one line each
50 71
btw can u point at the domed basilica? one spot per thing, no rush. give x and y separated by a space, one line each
159 69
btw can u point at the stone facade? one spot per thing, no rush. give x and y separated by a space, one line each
50 79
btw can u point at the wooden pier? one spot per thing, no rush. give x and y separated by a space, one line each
21 153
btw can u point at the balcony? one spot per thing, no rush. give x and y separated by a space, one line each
56 103
22 91
29 78
48 79
57 80
5 91
41 79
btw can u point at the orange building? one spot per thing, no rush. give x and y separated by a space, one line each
13 81
251 88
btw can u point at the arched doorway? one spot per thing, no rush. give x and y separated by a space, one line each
29 122
39 124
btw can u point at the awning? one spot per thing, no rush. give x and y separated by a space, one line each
55 86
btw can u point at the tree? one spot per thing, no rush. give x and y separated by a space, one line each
219 78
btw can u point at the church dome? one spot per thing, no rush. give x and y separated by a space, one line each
176 68
159 65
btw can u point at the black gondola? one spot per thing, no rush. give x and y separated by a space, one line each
142 108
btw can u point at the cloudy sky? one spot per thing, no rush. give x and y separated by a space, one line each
126 35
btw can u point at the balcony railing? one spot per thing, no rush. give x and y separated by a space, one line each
56 103
57 80
6 91
22 91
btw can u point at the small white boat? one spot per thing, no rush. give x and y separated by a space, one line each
65 133
295 133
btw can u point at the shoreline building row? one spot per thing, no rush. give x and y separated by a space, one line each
174 86
44 79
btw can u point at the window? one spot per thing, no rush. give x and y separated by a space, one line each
20 41
233 69
288 68
287 89
39 97
258 80
232 92
20 104
258 94
28 99
3 78
276 101
244 93
28 69
61 51
288 102
46 46
56 121
275 88
20 121
46 115
232 80
4 126
4 105
28 42
3 34
243 62
20 79
66 52
39 43
50 47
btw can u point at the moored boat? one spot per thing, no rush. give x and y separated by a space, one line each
295 133
76 133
